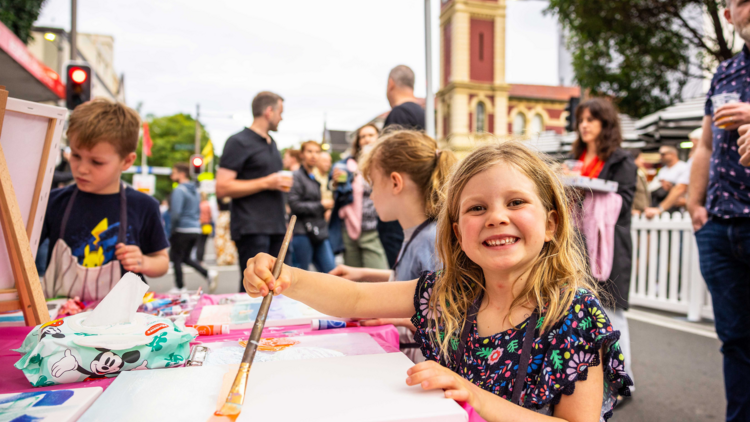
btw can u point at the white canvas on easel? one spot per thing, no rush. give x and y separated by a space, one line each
23 137
29 145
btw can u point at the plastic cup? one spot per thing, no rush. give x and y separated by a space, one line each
288 179
342 177
724 98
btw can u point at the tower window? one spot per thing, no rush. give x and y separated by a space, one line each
519 124
537 124
481 46
480 117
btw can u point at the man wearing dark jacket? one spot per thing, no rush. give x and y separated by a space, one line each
405 114
310 242
184 214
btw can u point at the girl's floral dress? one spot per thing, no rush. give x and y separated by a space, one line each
559 357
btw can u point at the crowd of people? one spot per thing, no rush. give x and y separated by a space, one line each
511 285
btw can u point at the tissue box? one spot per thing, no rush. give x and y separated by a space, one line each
64 350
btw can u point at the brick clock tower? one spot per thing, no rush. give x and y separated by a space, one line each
474 96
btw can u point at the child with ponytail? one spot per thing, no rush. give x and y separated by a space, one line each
407 172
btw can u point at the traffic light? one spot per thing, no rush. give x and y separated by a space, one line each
570 121
196 162
78 85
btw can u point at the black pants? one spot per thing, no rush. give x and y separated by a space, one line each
250 245
181 244
201 247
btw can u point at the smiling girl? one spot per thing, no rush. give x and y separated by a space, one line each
511 325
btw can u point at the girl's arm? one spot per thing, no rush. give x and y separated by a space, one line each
361 274
329 294
584 405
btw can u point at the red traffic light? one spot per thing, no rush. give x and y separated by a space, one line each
197 161
78 75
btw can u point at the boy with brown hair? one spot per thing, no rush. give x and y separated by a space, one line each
98 221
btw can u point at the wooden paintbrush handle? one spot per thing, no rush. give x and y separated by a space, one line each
260 320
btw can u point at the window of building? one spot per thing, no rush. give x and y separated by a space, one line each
537 124
481 117
519 124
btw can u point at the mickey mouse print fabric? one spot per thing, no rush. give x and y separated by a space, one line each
60 352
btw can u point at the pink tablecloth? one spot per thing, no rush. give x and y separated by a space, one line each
13 380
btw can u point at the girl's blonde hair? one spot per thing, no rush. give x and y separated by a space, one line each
558 272
417 155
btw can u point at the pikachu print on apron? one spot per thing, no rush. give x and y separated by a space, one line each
66 277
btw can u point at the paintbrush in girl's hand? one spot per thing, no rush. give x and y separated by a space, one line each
236 397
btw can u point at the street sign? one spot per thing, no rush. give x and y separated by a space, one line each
160 171
145 183
184 147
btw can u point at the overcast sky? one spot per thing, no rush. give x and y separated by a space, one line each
326 58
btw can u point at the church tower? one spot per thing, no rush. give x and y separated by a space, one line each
473 95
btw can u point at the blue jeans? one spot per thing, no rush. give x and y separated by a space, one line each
724 248
305 252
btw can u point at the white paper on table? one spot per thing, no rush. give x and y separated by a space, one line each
367 388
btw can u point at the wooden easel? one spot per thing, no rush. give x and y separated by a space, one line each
30 295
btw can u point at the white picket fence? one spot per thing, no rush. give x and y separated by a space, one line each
666 273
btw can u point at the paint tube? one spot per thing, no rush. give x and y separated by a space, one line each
155 304
326 324
212 330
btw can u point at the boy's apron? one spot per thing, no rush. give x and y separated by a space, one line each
65 277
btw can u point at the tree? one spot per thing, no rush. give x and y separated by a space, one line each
173 137
19 16
643 52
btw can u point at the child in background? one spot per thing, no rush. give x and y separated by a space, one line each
407 172
98 221
512 317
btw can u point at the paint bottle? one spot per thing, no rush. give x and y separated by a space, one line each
212 330
327 324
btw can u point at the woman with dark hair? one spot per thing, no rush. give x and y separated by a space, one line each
354 221
598 149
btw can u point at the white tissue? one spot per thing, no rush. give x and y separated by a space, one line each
121 303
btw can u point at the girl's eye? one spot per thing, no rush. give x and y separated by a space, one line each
476 208
516 203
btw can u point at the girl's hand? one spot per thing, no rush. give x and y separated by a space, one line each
431 375
259 280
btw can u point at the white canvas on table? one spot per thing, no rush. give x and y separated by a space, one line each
367 388
47 406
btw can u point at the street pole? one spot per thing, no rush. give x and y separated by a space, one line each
197 129
429 98
73 30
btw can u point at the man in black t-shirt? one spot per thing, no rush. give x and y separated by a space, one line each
249 175
405 114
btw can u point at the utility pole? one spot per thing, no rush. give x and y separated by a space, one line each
73 30
197 129
429 106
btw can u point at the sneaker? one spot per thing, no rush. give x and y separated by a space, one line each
177 291
213 277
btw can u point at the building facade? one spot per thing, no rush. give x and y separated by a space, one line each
51 46
474 96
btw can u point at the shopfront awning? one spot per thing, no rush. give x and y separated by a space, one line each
23 75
